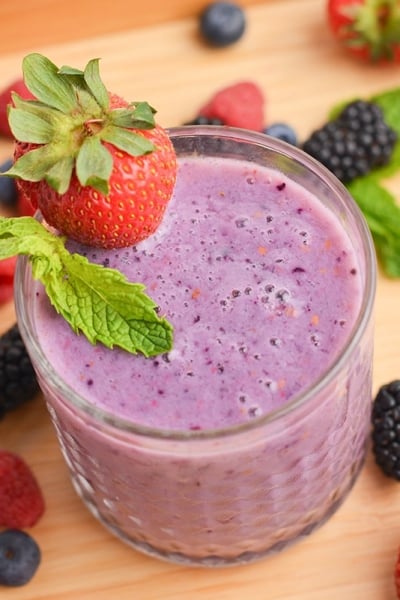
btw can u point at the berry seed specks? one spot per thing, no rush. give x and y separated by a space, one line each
106 181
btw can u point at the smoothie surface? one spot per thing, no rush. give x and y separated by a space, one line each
262 287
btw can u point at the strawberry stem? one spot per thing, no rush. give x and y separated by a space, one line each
377 26
72 108
93 126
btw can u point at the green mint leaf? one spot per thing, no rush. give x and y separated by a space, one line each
101 303
389 103
94 164
382 214
126 140
18 235
96 301
377 204
43 80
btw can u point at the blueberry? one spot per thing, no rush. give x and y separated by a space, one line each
283 132
8 189
222 23
19 557
201 120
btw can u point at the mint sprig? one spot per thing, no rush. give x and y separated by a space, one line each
95 300
383 218
377 203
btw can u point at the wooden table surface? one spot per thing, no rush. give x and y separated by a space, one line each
288 50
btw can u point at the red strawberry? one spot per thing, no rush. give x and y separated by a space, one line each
369 29
397 574
139 191
20 88
100 169
7 268
27 194
21 500
24 205
238 105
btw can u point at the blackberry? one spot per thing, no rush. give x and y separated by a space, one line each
357 141
386 429
18 382
20 557
202 120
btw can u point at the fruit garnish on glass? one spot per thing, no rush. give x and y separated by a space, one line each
101 172
367 29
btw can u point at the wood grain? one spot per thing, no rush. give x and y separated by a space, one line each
39 22
290 53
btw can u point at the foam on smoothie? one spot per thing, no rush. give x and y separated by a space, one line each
260 283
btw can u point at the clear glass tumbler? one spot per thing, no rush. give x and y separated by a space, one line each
233 495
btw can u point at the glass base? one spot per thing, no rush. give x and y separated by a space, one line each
221 561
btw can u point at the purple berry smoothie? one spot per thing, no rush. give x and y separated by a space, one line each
250 432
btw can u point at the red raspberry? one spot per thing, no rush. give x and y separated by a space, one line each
20 88
7 267
397 574
238 105
21 500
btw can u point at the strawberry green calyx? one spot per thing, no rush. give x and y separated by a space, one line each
69 120
373 25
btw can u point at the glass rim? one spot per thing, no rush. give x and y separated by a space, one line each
124 425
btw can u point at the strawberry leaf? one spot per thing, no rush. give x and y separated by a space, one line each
59 175
126 140
69 119
71 71
34 165
43 80
95 84
141 116
85 99
29 127
94 164
96 301
33 107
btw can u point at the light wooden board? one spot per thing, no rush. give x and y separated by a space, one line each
289 52
51 21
